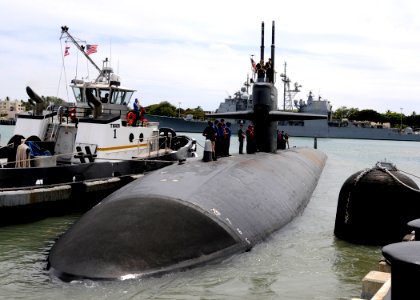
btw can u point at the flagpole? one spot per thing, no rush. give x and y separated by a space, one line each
64 30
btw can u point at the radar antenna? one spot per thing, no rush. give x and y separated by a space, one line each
288 93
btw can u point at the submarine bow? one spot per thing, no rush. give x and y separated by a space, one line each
186 215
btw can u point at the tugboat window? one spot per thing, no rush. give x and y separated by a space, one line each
77 94
127 97
116 97
121 97
104 95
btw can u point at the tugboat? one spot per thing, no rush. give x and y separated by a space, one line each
75 154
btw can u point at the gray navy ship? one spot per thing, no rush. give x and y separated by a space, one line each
240 101
326 128
344 128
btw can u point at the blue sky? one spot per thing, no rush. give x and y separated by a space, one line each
362 54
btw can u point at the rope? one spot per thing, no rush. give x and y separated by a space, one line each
40 157
356 180
409 174
22 157
396 178
362 174
384 169
63 70
199 144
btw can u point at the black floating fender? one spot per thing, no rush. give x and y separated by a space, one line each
374 206
165 131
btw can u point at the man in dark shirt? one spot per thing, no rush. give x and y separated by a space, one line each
210 134
241 136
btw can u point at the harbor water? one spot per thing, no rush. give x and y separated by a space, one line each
301 261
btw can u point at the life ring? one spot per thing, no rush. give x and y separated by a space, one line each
131 117
72 114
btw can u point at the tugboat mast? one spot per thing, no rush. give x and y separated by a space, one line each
106 74
65 31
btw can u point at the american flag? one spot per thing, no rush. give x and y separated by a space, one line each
66 51
91 49
254 65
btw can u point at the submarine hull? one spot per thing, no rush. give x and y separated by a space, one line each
186 215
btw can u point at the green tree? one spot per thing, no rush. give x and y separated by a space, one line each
344 112
197 113
367 115
27 105
412 121
339 113
164 108
393 118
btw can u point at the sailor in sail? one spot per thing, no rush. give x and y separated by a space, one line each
269 72
260 71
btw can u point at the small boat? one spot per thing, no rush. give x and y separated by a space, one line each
71 156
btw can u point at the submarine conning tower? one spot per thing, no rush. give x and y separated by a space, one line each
265 100
265 114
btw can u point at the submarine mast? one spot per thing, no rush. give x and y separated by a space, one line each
272 54
262 43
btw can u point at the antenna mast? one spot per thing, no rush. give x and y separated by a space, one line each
288 94
262 43
65 31
272 53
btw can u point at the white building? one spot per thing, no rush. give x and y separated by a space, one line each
9 108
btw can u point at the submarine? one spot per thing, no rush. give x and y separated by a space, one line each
197 212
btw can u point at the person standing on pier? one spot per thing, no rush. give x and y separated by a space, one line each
241 137
210 134
250 140
227 134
